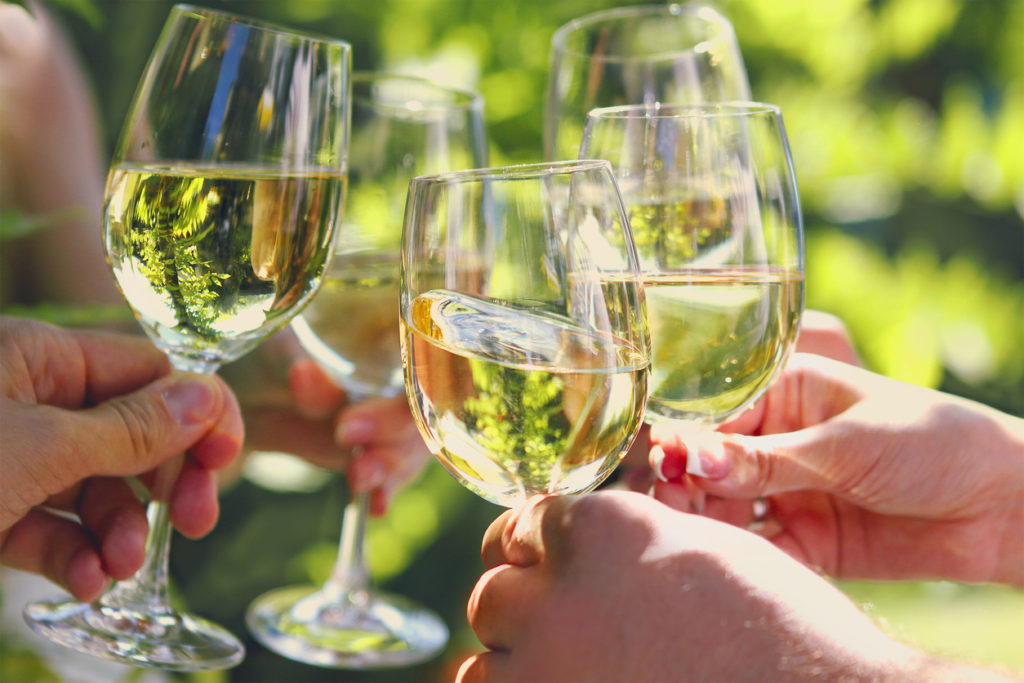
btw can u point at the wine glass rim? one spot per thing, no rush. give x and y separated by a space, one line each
709 15
707 110
269 27
464 98
525 171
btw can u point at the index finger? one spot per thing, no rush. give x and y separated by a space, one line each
826 335
493 547
67 369
810 390
117 364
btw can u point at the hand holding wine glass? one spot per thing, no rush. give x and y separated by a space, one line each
851 462
630 589
524 337
219 212
76 401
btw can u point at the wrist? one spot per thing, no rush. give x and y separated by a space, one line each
992 448
1010 564
944 671
899 663
1010 571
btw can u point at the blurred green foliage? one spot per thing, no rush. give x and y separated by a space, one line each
906 119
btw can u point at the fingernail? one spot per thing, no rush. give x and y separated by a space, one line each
667 467
19 30
708 459
354 431
189 400
693 463
365 474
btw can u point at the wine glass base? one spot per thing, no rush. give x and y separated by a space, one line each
170 640
366 630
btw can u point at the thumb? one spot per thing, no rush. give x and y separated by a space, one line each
813 425
739 466
529 534
135 432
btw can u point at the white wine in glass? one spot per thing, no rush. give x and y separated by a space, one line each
402 126
524 338
715 214
220 209
647 54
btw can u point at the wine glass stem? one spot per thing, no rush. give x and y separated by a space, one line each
146 591
349 574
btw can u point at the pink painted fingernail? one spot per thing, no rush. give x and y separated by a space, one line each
708 458
667 467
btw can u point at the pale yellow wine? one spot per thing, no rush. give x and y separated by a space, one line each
351 326
214 259
718 338
514 401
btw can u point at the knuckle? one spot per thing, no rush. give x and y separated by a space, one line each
475 669
583 523
62 465
765 473
140 427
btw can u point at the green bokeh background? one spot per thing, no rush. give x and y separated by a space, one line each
906 119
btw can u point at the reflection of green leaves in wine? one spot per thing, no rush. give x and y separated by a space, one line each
526 439
167 222
673 232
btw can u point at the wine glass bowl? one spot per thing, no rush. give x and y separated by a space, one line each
402 126
523 332
239 254
714 209
646 54
220 209
223 195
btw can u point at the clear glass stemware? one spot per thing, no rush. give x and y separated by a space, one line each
401 126
647 54
523 329
220 208
712 200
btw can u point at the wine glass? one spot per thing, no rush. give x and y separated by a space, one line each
220 208
713 205
523 329
402 126
638 55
